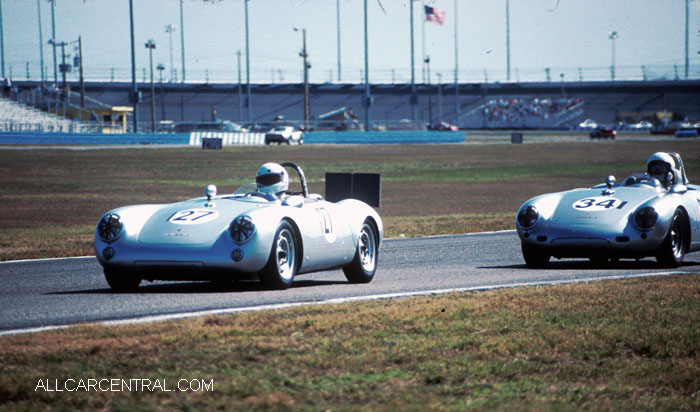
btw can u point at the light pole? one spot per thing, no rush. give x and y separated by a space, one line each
64 68
414 95
170 28
368 96
247 64
151 45
182 50
337 19
240 86
508 40
134 90
41 42
563 92
2 43
53 36
160 69
82 79
612 36
307 66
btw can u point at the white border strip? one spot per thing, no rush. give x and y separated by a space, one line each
333 301
46 259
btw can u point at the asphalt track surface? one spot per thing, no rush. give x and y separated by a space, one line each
48 293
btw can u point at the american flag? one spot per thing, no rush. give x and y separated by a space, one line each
435 15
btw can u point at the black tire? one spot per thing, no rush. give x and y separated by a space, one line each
534 258
282 264
121 281
599 260
364 264
670 253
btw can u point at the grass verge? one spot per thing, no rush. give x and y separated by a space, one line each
612 345
52 198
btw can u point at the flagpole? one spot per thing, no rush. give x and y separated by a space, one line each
422 31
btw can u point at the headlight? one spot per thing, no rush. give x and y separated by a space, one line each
527 217
110 227
242 229
646 218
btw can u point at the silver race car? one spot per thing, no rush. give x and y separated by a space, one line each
261 229
656 213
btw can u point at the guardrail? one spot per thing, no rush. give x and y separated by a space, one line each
187 139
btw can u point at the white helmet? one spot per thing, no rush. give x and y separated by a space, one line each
660 164
272 179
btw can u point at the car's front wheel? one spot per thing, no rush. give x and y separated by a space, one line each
281 266
534 258
121 281
672 250
364 264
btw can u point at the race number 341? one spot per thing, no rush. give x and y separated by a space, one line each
595 204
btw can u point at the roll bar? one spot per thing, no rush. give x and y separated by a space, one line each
302 178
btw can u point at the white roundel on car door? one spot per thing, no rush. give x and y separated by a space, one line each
193 216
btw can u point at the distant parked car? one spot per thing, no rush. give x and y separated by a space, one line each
686 132
284 134
258 127
663 130
588 124
218 126
643 125
443 127
603 132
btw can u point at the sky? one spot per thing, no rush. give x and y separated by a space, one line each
570 37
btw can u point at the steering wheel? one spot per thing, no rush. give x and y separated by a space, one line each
648 179
258 194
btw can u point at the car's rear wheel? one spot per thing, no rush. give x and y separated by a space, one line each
121 281
364 264
534 258
282 265
672 250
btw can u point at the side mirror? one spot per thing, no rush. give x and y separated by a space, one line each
679 189
210 191
609 182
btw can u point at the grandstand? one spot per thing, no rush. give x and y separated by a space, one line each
605 102
18 117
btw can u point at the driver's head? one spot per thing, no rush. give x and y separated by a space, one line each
660 165
272 179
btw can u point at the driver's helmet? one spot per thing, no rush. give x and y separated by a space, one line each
272 179
659 166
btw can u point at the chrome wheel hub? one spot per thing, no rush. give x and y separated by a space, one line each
367 250
286 258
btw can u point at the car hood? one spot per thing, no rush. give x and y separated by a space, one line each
193 222
590 207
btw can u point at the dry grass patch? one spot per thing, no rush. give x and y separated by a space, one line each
611 345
